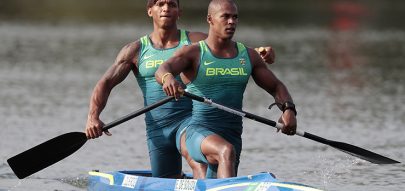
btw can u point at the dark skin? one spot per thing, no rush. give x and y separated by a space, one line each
165 35
223 18
165 14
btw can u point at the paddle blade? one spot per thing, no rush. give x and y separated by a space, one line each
353 150
46 154
362 153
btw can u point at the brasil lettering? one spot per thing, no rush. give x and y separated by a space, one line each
225 72
153 63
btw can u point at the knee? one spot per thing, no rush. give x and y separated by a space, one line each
227 152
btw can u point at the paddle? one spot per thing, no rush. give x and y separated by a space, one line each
347 148
58 148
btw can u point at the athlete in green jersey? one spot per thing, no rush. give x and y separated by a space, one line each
165 123
223 80
143 57
219 68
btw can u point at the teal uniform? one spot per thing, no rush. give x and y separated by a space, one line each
163 124
224 81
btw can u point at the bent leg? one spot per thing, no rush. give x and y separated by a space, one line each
160 158
204 146
166 161
199 169
219 151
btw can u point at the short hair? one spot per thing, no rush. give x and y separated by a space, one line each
150 3
215 3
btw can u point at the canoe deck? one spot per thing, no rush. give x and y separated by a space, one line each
142 180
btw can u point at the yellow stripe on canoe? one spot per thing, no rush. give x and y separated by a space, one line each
109 177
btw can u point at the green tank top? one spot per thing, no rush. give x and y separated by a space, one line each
149 60
224 81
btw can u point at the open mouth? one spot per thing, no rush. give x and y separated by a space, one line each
230 30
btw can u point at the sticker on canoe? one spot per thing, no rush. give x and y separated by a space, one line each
263 186
185 184
129 181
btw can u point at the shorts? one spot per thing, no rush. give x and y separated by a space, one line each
165 158
195 134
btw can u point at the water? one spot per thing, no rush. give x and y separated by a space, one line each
348 86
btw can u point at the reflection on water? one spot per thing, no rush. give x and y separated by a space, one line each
348 85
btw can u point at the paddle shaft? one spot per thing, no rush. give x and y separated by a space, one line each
350 149
238 112
136 113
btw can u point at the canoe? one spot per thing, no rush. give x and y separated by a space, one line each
142 180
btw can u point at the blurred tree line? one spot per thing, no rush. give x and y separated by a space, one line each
371 13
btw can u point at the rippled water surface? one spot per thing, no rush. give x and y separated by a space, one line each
348 86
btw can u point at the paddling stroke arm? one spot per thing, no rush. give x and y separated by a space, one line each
184 61
117 72
266 79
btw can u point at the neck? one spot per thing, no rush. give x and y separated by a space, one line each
221 47
165 37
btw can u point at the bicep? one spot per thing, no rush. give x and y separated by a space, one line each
122 66
176 64
181 61
263 76
266 79
117 73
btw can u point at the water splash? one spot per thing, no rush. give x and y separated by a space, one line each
79 182
334 169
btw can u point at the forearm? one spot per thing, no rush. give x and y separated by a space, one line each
171 68
163 73
284 100
99 99
281 95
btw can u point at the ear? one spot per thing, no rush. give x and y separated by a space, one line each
209 19
150 12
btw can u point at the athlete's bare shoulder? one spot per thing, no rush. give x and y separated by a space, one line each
197 36
129 53
188 51
255 58
132 48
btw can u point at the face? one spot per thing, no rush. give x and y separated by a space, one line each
164 13
223 20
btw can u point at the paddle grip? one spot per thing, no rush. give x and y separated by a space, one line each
194 97
260 119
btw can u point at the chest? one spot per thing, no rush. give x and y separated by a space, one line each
232 71
150 59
